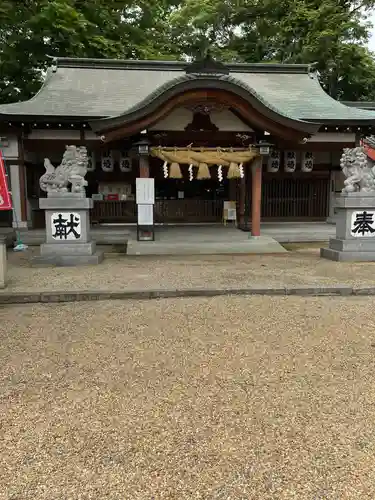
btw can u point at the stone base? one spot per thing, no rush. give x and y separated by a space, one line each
348 256
75 247
69 260
349 244
68 249
331 220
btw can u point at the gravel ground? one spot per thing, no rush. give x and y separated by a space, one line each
116 273
218 399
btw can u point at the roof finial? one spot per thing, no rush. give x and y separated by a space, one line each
312 69
54 64
206 63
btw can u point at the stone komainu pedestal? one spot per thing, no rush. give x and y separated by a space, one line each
68 241
355 229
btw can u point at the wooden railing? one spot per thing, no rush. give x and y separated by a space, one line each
295 199
177 211
114 211
185 211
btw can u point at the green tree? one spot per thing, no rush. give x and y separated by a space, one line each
332 34
32 30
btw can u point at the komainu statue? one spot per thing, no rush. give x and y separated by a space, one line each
71 172
359 168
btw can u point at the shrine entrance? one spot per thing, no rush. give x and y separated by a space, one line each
197 185
206 141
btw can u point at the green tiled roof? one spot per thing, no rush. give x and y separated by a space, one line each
92 88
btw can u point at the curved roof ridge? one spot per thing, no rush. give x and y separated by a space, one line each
82 62
172 87
162 89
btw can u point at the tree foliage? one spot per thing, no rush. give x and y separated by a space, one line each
332 34
32 30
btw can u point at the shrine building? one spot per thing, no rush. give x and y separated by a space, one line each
264 136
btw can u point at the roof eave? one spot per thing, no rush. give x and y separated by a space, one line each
341 122
359 104
47 118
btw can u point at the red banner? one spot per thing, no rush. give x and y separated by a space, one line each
369 151
5 199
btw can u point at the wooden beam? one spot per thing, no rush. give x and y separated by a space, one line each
202 138
314 146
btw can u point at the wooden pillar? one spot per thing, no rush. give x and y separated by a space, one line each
17 177
144 167
256 195
18 188
241 202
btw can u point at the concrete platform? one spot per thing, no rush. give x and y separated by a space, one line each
299 232
205 246
283 232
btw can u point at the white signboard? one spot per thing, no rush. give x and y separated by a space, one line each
145 215
363 224
230 211
66 226
145 191
232 214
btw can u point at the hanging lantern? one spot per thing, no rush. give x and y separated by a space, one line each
273 161
290 161
107 161
234 171
203 172
175 171
91 162
307 163
191 173
125 162
142 146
